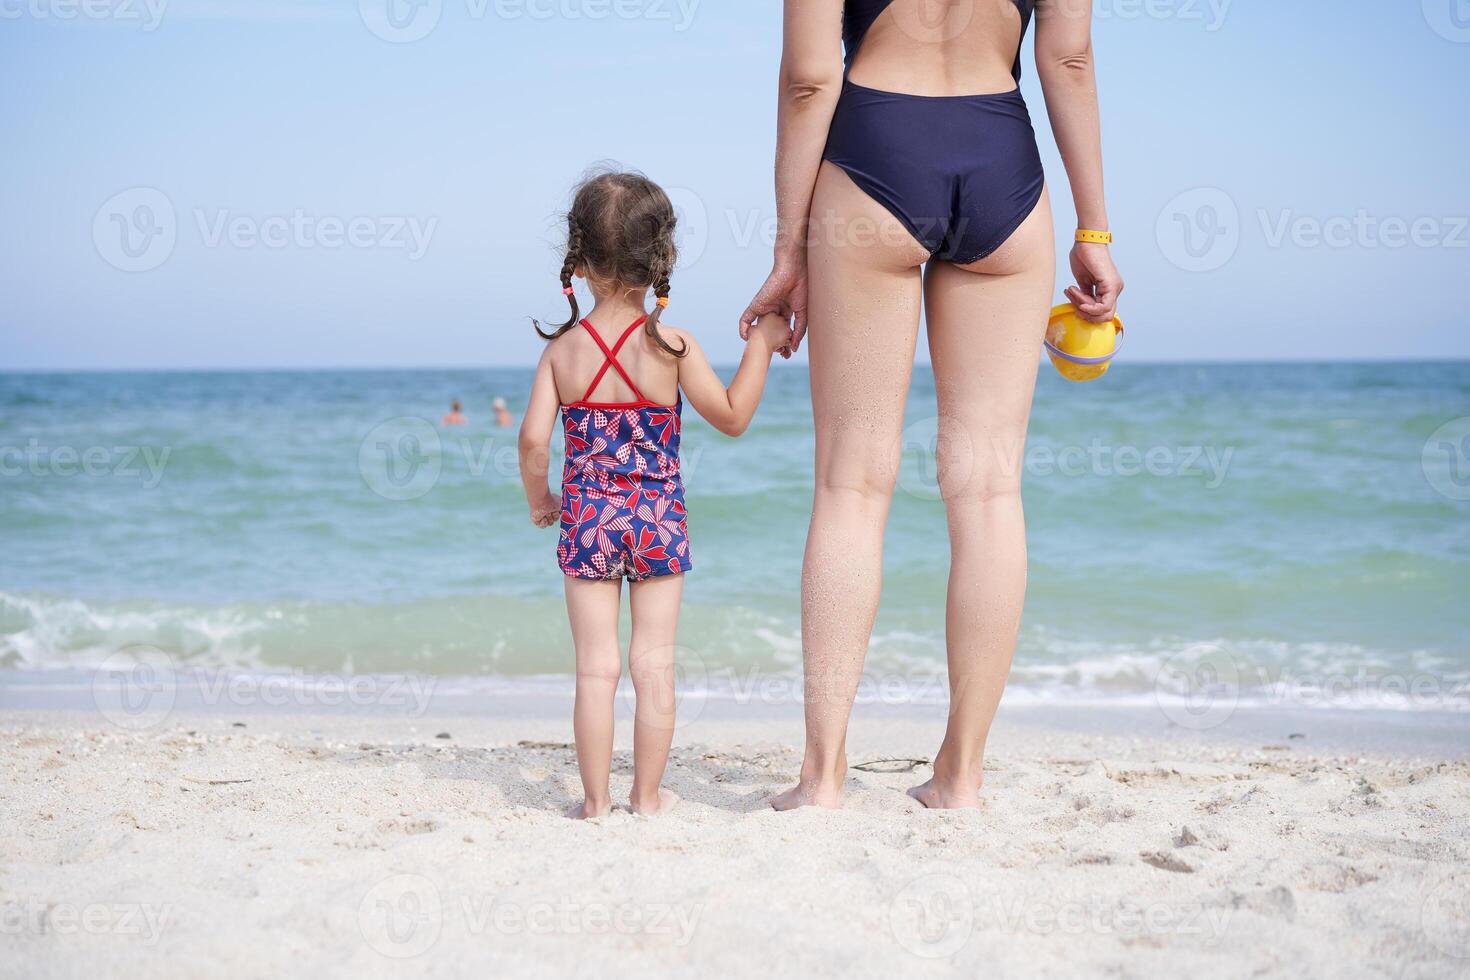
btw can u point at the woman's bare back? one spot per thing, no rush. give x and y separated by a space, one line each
939 47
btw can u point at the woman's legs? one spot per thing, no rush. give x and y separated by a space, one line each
592 607
865 293
986 323
655 604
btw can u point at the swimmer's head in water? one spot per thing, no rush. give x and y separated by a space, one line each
454 406
498 404
620 234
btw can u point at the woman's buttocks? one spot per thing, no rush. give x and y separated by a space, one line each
941 47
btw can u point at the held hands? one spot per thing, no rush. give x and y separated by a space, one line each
1098 283
773 332
784 294
546 511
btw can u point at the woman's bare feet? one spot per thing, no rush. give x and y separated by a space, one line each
937 796
663 803
588 811
820 784
826 795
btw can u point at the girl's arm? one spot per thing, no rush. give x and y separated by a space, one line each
811 82
731 409
1064 63
535 445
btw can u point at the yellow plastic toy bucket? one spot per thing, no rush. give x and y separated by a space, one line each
1081 350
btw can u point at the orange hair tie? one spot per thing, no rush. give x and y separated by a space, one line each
662 302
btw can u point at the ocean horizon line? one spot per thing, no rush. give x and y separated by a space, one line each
781 366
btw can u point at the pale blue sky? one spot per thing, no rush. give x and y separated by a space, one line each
242 113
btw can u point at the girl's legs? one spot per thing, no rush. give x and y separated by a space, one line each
655 604
592 607
986 324
865 293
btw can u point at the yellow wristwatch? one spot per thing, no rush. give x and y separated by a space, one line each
1094 237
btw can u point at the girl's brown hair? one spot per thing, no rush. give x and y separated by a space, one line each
620 230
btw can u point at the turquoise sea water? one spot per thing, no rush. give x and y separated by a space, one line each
1307 524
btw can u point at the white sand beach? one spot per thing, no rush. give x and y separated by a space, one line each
284 844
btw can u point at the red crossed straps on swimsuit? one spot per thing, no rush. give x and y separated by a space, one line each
610 360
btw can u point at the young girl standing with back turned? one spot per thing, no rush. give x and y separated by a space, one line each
616 378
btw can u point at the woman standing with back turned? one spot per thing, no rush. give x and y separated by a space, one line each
897 183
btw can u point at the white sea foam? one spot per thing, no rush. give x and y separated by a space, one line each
60 632
730 654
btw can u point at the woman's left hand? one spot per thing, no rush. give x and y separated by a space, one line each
783 294
1098 283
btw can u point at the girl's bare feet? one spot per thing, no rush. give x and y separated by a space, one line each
587 811
665 802
937 796
826 795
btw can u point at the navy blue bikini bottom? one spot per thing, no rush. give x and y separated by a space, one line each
961 172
